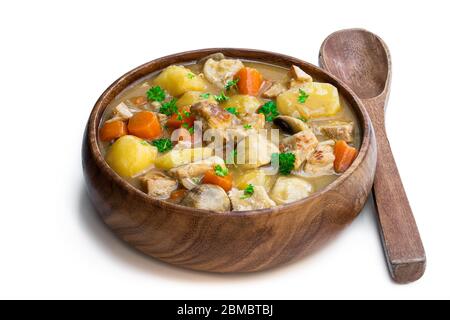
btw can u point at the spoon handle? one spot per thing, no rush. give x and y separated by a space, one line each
402 243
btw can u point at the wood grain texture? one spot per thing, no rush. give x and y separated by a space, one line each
234 241
362 60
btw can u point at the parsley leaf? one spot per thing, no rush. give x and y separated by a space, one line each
163 144
156 94
303 96
220 171
231 84
269 109
247 126
169 108
205 95
222 97
190 75
286 162
191 130
248 191
232 110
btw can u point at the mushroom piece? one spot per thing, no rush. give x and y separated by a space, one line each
190 183
290 125
215 56
207 197
220 72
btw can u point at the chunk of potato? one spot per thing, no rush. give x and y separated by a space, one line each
255 177
130 155
322 101
191 97
244 104
178 80
179 157
290 189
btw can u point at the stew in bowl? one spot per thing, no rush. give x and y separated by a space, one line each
227 134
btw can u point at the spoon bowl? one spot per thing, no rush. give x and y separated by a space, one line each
363 63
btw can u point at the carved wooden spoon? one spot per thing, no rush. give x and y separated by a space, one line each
362 60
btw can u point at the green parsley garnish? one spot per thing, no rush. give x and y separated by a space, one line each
247 126
286 162
269 109
220 171
205 95
156 94
303 96
169 108
222 97
232 110
191 130
185 125
302 119
248 191
163 144
230 84
190 75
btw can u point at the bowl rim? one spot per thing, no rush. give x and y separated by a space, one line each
125 81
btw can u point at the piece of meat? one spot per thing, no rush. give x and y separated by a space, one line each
302 144
321 162
299 77
219 72
196 169
212 115
158 185
275 89
259 200
337 130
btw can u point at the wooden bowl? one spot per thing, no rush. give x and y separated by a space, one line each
234 241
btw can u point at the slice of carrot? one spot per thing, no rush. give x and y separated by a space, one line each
344 156
250 81
183 118
225 183
144 125
113 130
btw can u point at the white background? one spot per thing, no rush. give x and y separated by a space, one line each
58 56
